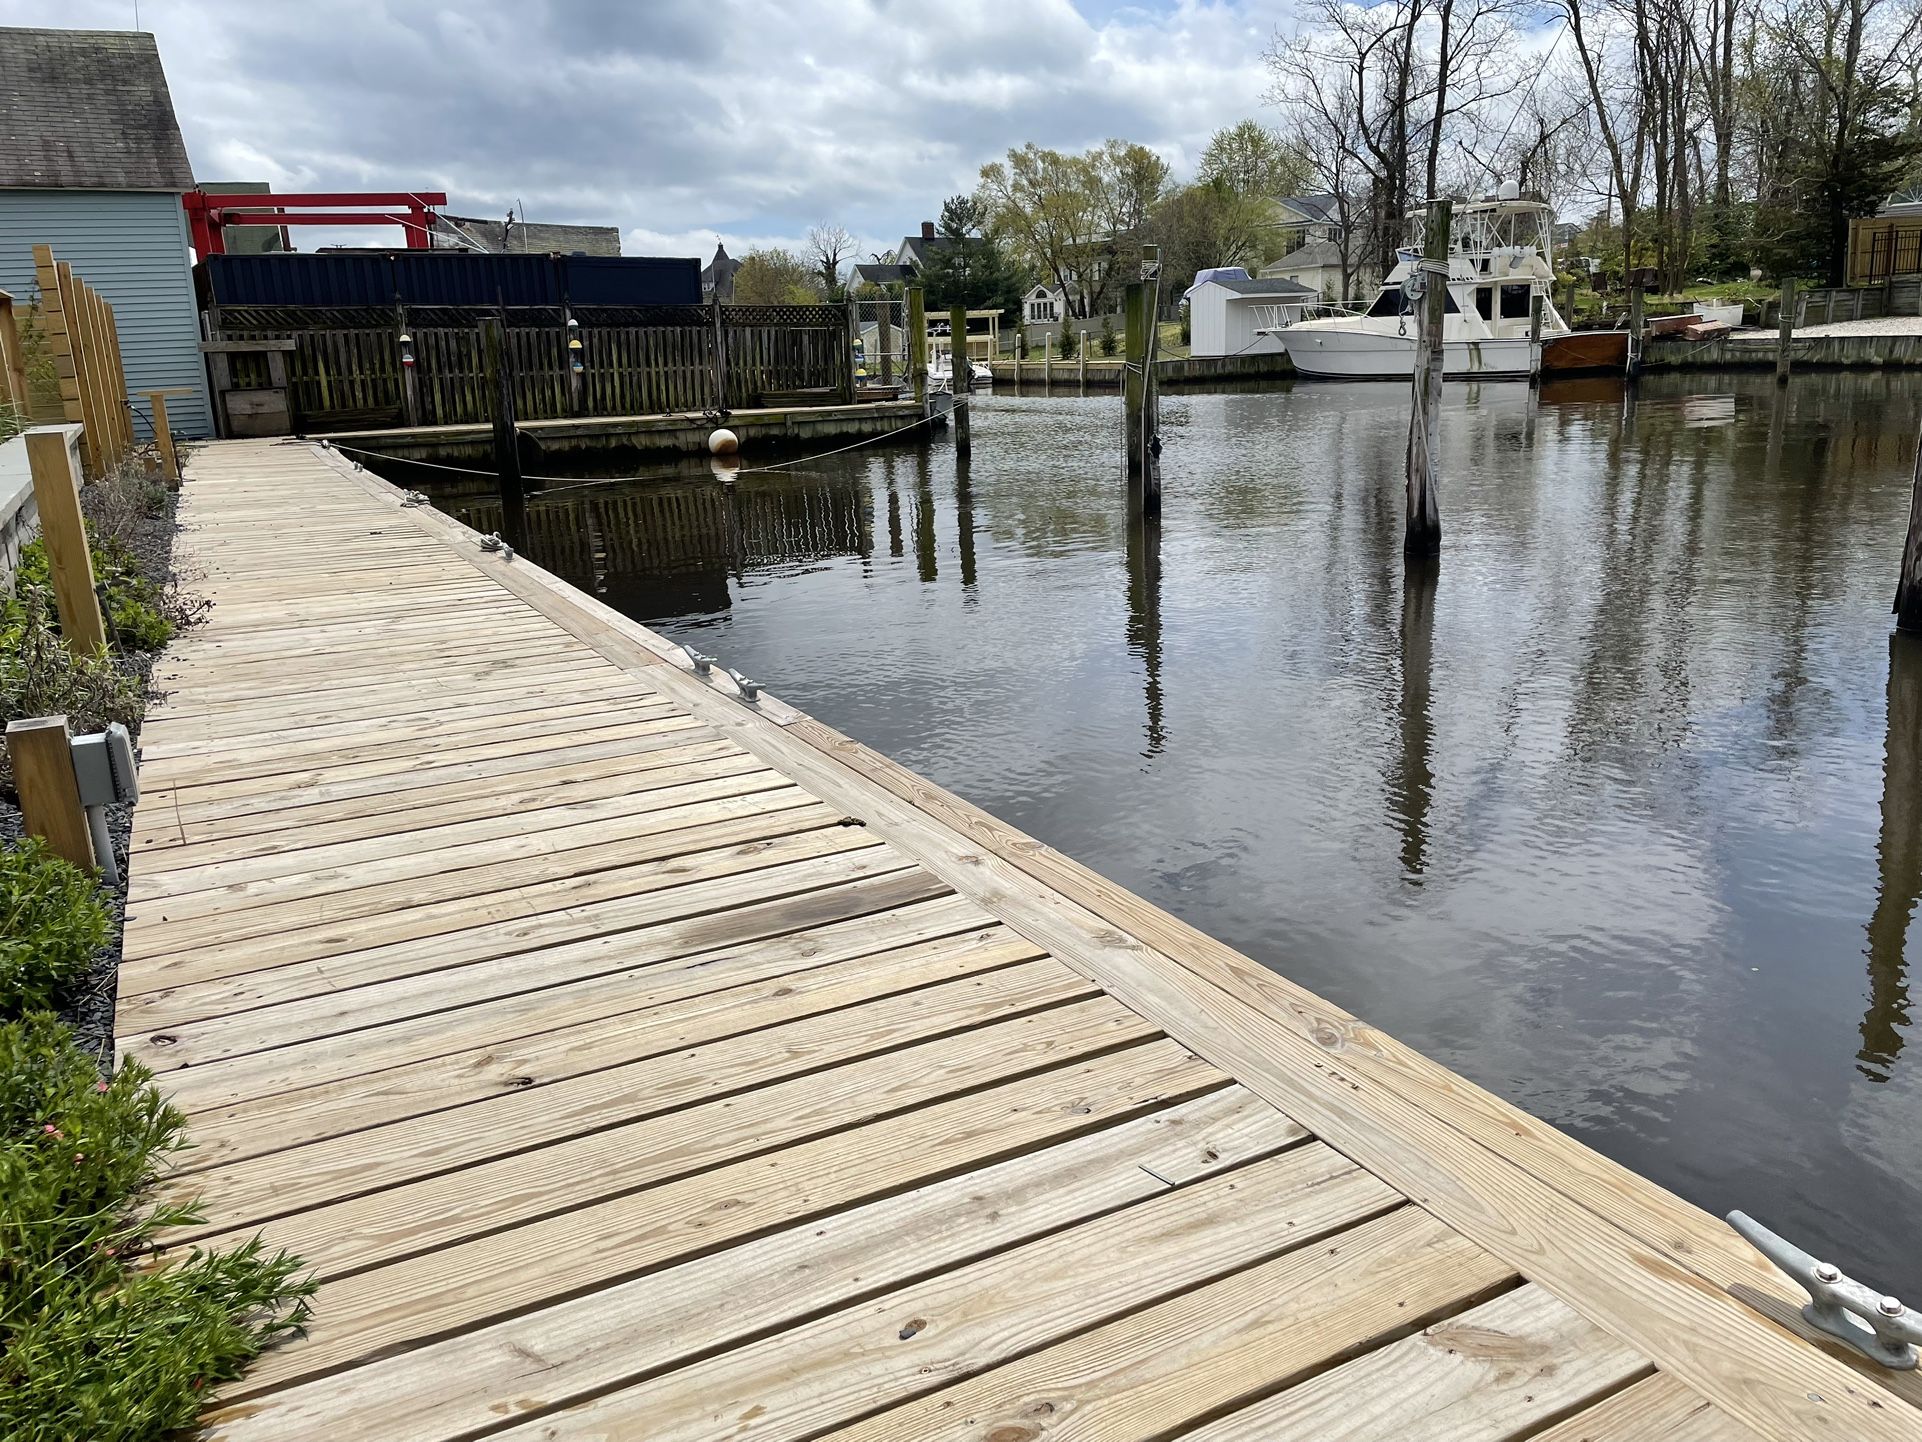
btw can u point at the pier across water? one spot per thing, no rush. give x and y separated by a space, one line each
629 1059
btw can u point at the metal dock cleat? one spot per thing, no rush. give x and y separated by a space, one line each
750 690
701 663
1877 1326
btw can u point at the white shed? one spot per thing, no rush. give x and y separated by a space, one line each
1227 309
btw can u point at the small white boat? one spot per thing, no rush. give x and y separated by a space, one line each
1497 264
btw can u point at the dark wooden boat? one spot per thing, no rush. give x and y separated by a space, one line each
1585 350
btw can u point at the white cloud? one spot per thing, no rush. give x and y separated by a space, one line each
685 120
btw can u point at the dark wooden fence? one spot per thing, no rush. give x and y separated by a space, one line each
346 370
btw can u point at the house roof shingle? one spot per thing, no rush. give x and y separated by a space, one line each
87 110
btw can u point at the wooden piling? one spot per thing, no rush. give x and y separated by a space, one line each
1908 588
56 493
1535 304
718 357
1785 335
1134 354
42 752
918 344
1634 327
960 379
1150 381
884 340
507 457
1423 534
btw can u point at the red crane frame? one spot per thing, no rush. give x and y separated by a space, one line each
208 216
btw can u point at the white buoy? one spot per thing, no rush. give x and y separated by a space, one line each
723 442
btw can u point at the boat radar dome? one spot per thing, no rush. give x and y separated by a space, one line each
1510 190
723 442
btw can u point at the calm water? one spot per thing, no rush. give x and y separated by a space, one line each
1616 811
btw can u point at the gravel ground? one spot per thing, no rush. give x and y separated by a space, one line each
89 1009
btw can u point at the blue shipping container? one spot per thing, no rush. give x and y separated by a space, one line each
444 277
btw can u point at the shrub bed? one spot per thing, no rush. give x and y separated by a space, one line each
97 1341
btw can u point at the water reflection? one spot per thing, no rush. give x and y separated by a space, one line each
1144 623
1899 864
1414 781
1610 821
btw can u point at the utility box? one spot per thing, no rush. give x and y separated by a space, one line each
103 768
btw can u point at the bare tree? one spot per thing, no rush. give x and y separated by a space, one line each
827 247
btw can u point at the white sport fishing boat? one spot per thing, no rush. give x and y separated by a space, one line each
1497 264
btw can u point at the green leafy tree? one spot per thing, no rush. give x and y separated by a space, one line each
1068 342
1208 224
1252 160
770 276
1068 217
1110 342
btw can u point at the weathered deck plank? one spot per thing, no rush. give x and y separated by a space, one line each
537 992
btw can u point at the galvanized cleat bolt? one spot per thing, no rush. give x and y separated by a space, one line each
1891 1307
1827 1272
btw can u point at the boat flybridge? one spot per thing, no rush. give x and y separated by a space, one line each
1498 250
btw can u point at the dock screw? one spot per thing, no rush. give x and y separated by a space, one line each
1827 1271
1890 1307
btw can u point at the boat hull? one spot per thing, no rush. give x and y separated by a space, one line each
1364 355
1585 352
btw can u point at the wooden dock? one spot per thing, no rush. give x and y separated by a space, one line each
630 1061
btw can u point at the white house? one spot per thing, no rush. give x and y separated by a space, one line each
1044 305
1316 266
1227 307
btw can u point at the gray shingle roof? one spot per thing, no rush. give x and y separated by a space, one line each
1263 287
87 110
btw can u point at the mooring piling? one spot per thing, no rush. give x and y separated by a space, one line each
1423 535
507 458
960 378
1908 589
1535 305
1785 334
1634 328
1144 488
884 340
918 345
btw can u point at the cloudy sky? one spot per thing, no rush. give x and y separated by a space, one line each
683 120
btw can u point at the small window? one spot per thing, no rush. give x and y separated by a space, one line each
1485 301
1516 300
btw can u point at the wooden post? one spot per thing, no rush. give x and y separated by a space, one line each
42 753
409 368
1908 587
1081 367
720 355
1785 331
853 383
118 399
884 339
1150 382
1535 305
1134 390
918 345
507 457
961 380
1634 327
1423 534
56 492
13 361
163 439
574 362
75 400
